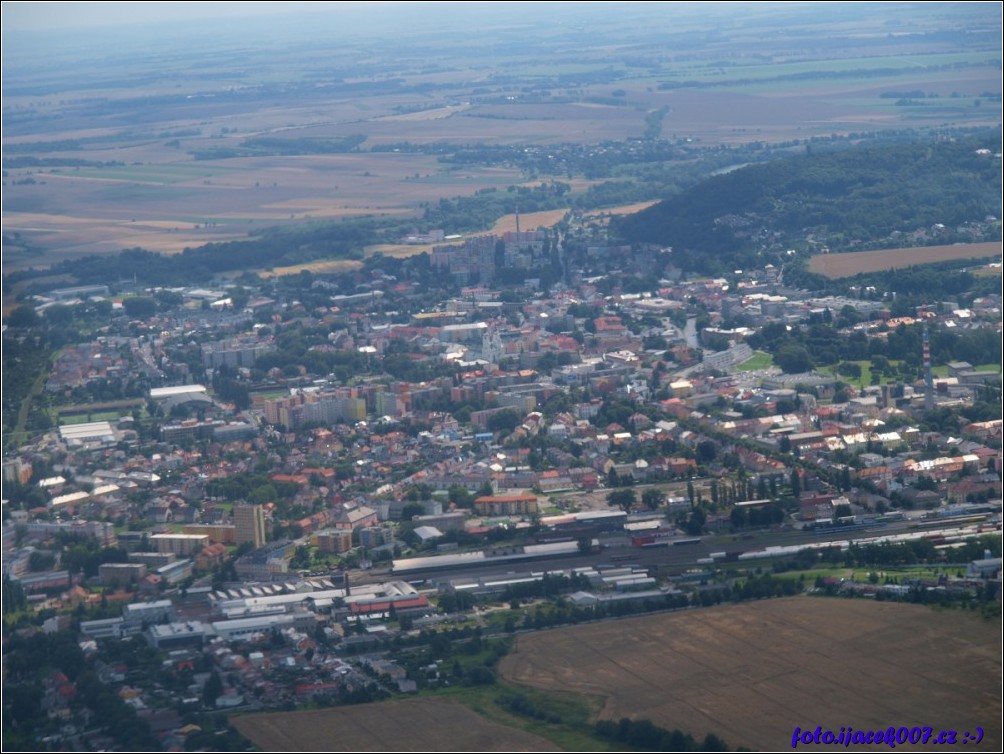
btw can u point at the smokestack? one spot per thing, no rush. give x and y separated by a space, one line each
928 377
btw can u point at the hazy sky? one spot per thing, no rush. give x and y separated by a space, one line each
39 16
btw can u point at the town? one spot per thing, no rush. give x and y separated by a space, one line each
501 376
254 494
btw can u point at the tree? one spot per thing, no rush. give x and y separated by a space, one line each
707 450
212 689
651 498
613 479
793 358
140 307
411 510
504 421
622 498
695 523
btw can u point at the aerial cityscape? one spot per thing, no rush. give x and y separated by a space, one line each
502 376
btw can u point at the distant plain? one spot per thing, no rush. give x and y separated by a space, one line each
140 118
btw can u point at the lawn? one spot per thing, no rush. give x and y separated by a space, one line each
942 370
866 373
759 360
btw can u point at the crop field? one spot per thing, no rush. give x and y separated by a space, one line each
624 209
410 725
751 673
158 159
529 221
167 208
855 262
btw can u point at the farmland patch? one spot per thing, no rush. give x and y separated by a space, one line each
751 673
409 725
855 262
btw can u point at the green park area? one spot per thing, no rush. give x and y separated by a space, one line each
759 360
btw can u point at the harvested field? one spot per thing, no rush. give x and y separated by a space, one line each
529 221
409 725
404 250
321 266
167 207
624 209
855 262
751 673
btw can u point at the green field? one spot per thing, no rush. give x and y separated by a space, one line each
879 66
759 360
866 373
942 370
97 416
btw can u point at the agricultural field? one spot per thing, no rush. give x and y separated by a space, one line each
855 262
529 221
66 213
212 138
752 673
409 725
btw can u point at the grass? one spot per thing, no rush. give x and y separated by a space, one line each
759 360
814 573
866 373
828 68
577 713
942 370
97 416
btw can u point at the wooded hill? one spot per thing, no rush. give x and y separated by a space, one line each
850 199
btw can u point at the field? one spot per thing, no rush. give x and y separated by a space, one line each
856 262
751 673
529 221
759 360
150 150
410 725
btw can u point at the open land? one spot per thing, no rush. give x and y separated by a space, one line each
410 725
852 263
751 673
170 159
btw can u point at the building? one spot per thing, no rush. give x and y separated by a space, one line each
118 574
148 612
250 523
334 540
506 505
355 518
223 533
179 544
181 635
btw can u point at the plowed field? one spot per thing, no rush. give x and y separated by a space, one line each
753 672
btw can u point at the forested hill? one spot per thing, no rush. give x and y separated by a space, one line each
849 199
